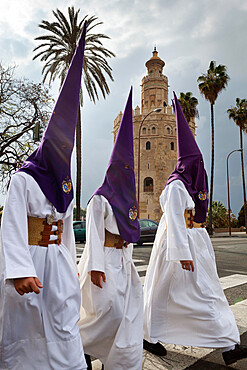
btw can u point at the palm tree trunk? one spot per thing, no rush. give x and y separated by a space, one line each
243 177
210 228
78 165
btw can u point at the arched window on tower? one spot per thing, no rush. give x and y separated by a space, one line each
144 130
168 130
153 130
172 145
148 145
148 184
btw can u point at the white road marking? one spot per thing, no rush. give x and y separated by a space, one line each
233 280
236 272
136 260
240 313
141 268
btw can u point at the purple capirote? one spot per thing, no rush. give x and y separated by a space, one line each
190 167
50 163
119 183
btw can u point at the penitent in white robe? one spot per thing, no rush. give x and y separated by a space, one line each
38 332
111 323
180 306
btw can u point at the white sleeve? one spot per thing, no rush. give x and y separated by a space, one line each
17 258
177 239
95 234
68 236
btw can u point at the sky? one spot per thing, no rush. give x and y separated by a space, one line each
188 35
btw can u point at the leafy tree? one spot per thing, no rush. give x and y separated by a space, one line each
210 85
82 214
241 218
234 221
239 116
189 105
24 106
219 214
56 51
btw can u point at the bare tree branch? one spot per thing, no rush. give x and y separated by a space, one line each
23 105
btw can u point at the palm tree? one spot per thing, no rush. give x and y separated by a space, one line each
189 105
239 116
210 85
56 51
219 213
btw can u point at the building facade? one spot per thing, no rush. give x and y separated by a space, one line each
155 145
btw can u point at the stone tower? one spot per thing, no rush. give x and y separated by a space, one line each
154 85
158 145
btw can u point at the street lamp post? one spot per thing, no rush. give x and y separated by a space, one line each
139 151
228 189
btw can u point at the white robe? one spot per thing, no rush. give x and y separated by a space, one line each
38 332
111 323
180 306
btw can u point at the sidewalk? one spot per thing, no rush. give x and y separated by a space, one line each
233 235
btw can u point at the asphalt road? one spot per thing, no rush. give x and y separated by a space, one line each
230 253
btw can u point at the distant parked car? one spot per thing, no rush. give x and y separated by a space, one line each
148 231
80 231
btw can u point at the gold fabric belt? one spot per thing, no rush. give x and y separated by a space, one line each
113 240
39 231
190 224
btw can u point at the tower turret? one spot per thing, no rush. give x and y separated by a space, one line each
154 85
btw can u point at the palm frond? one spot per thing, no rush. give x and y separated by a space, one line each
213 82
239 113
189 105
59 43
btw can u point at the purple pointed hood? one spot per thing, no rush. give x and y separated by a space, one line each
190 167
119 183
50 163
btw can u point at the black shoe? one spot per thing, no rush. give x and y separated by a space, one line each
88 361
235 354
157 348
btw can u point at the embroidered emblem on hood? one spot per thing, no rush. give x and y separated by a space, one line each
67 185
133 213
203 195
